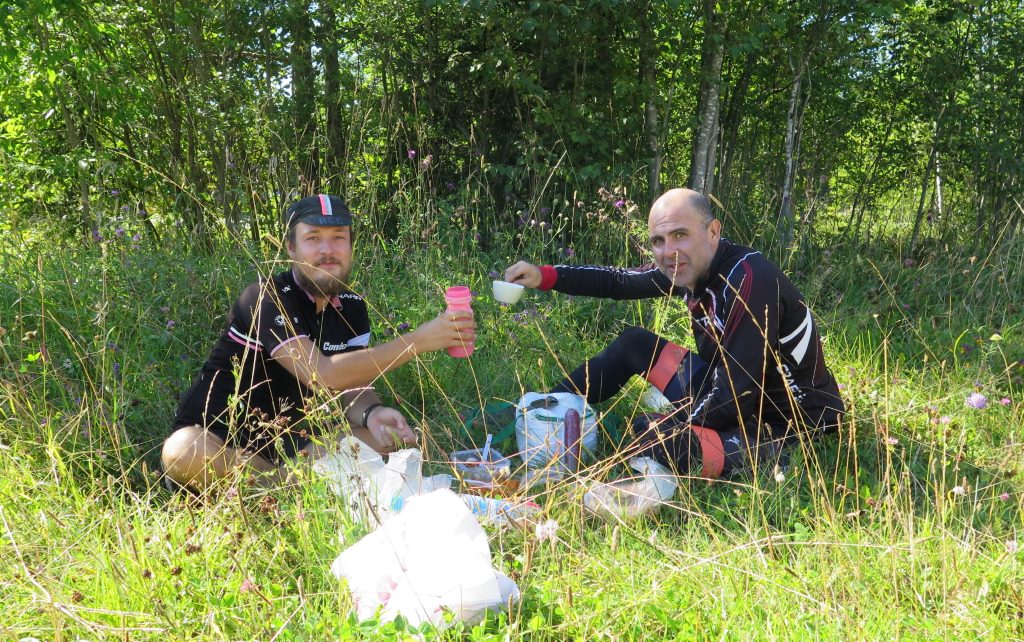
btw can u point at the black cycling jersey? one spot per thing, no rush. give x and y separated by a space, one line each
753 329
242 394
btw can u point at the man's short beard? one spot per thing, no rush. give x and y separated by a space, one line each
323 284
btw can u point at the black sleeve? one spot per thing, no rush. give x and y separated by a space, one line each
261 319
744 340
611 283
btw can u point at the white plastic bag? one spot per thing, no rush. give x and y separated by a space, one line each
431 558
372 487
633 497
540 430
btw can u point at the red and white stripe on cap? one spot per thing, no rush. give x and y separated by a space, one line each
325 205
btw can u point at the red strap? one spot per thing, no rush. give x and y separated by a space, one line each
666 366
548 276
712 450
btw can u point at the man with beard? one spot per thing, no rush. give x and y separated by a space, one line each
285 338
757 380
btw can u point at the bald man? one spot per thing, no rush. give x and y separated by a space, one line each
758 380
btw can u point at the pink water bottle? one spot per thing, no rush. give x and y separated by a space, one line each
458 298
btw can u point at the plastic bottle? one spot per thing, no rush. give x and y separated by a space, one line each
458 298
571 457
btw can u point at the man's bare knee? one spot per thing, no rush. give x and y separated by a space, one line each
192 455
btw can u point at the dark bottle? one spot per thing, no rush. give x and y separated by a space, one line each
571 458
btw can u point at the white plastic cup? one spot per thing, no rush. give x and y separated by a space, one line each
507 292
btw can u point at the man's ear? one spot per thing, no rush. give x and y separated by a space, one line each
715 229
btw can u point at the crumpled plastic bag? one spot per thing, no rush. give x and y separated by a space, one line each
430 559
630 498
374 489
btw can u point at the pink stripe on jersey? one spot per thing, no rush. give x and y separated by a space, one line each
286 342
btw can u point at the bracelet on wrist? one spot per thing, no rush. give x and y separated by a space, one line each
366 413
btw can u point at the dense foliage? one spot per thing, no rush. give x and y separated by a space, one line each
208 116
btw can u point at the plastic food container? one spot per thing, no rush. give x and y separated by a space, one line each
488 477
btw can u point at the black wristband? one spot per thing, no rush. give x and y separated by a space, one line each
369 409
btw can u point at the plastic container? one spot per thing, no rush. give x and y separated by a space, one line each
470 466
458 298
507 292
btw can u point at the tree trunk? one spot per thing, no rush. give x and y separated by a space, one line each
731 125
712 55
932 155
649 84
785 222
304 97
336 138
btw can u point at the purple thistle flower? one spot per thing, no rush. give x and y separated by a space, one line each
119 232
125 208
403 326
944 420
450 185
171 324
115 192
96 236
619 204
136 237
411 154
117 370
977 401
493 274
1005 401
569 252
1005 497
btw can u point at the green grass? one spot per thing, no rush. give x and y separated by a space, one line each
901 527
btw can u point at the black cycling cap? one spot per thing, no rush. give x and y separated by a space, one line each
320 210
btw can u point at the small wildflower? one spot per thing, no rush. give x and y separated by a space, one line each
125 208
959 490
411 154
907 263
426 162
1005 401
779 475
996 337
171 324
1011 546
115 192
548 531
906 306
136 237
892 441
619 204
569 252
96 236
119 232
404 326
976 400
117 370
165 309
1004 497
247 585
493 274
450 185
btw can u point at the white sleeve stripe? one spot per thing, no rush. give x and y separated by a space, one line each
243 337
361 340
